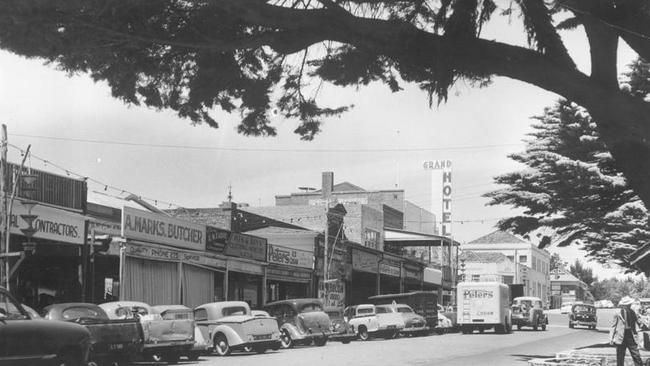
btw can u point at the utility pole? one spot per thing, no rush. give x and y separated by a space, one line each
5 216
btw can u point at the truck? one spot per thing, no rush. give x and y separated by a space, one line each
484 305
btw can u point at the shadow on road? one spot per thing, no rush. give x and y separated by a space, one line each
526 358
597 345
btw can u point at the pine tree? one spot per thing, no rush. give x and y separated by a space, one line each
573 186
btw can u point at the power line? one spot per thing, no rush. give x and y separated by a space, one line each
86 178
241 149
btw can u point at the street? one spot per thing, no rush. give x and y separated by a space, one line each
448 349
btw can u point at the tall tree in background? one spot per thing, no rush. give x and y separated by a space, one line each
261 56
555 262
573 186
583 273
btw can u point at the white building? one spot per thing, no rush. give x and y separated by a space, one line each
533 264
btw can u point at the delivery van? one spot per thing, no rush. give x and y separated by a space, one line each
484 305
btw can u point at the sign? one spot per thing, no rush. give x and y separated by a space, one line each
437 165
390 267
245 267
157 228
335 294
287 275
290 257
216 239
145 252
246 246
413 274
364 261
202 260
446 203
50 223
342 201
100 227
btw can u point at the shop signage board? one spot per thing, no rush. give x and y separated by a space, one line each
51 223
203 260
246 246
413 274
390 267
364 261
335 295
102 227
287 274
244 267
161 229
216 239
156 253
290 257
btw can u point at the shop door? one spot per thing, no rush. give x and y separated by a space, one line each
153 282
198 285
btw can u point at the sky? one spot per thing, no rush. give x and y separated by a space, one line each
76 126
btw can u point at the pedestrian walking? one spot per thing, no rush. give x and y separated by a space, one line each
623 332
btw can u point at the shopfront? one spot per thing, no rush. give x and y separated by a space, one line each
50 271
246 261
390 274
365 279
289 273
164 261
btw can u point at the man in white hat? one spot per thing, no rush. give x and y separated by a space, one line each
623 332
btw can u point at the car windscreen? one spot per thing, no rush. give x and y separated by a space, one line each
583 308
79 312
233 310
404 309
308 308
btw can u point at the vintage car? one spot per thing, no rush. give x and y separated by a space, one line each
445 325
24 341
113 340
527 311
230 326
367 323
449 317
414 324
179 312
301 321
583 315
164 339
341 330
260 313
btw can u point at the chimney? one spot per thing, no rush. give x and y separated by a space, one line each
328 184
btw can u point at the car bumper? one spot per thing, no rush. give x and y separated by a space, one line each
584 322
418 329
273 344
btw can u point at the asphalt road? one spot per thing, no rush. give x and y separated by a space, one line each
444 350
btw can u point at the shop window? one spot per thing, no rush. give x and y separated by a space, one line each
523 259
200 314
371 238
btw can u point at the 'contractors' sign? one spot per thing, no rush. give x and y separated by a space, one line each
156 228
50 223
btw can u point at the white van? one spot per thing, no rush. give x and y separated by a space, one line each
484 305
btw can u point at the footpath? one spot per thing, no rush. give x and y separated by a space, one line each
597 355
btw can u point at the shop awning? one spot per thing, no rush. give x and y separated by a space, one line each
433 276
408 238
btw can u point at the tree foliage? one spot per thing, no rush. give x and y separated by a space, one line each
583 273
573 186
556 262
266 57
615 289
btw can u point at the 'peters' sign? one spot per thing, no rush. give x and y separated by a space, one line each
290 257
156 228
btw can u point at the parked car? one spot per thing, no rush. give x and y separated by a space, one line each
424 303
25 341
341 330
527 311
32 313
583 315
367 323
414 324
301 321
566 307
113 340
179 312
164 339
260 313
608 304
230 326
444 324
